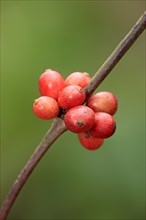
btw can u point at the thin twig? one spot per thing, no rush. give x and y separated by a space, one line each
58 126
117 54
56 129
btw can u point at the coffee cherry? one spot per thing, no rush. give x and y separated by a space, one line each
103 102
78 78
79 119
45 107
71 96
50 83
104 125
90 142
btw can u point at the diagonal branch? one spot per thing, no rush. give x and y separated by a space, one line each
117 54
58 126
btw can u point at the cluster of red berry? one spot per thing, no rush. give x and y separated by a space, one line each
92 122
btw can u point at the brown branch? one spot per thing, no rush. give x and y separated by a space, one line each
56 129
58 126
117 54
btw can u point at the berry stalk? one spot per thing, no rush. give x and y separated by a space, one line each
58 126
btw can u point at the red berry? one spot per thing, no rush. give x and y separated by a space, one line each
90 142
78 78
71 96
103 102
79 119
45 107
104 125
50 83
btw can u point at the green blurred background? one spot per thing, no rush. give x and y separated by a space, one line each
71 182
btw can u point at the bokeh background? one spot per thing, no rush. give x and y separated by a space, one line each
71 182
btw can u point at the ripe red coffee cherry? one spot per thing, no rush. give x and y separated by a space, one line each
79 119
50 83
90 142
78 78
45 107
71 96
103 102
104 125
